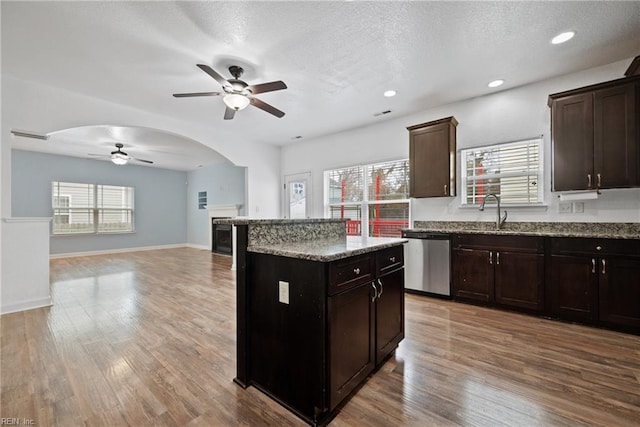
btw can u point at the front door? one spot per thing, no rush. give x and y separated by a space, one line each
297 190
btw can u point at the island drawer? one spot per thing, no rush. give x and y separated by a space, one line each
349 272
389 259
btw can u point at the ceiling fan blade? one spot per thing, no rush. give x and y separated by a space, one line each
184 95
99 155
217 77
140 160
229 113
267 87
266 107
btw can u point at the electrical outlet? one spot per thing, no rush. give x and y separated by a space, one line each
564 207
578 207
283 292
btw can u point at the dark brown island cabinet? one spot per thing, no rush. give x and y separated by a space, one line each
596 136
432 158
316 330
496 270
595 280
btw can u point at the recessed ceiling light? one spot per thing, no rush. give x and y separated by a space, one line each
390 93
496 83
563 37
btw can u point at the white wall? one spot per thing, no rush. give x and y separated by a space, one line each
499 117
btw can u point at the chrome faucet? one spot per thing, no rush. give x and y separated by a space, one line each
499 221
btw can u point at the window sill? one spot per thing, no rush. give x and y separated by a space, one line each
93 234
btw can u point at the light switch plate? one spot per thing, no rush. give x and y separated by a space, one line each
283 292
564 207
578 207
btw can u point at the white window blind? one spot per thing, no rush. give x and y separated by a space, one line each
512 171
80 208
373 197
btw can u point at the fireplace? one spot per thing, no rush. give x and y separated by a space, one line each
222 238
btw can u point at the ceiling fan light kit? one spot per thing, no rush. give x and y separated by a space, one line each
236 101
119 159
237 94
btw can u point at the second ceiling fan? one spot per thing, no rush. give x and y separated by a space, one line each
238 94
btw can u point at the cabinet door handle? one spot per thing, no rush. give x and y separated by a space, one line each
375 292
445 189
356 270
604 266
380 283
593 265
490 257
599 180
589 180
392 259
497 258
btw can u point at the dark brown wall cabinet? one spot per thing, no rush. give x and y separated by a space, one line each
432 158
499 270
342 321
596 136
596 280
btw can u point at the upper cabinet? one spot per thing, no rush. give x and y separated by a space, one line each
432 158
596 136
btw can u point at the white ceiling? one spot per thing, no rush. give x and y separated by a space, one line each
337 58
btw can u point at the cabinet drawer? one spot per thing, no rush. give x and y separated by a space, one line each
594 246
498 243
349 272
389 259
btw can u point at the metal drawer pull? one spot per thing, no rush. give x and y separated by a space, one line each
392 259
593 265
380 283
375 292
589 180
599 180
445 189
490 257
598 248
604 266
497 258
356 270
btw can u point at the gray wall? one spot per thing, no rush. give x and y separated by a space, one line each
160 199
225 184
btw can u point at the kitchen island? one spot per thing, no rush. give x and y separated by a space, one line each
317 311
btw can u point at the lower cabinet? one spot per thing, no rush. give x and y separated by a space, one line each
341 320
501 270
596 280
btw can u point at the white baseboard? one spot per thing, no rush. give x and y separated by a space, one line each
116 251
204 247
26 305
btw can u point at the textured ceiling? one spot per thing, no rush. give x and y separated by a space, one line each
336 57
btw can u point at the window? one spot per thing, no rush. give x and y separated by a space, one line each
512 171
89 208
373 197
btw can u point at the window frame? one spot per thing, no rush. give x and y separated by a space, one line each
539 140
96 212
365 204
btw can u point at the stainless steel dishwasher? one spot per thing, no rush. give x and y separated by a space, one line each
427 266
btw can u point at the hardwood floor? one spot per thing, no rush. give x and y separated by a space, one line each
148 338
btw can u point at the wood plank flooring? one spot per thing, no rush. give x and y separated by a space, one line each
148 338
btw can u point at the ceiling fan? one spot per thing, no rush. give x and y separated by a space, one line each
119 157
238 94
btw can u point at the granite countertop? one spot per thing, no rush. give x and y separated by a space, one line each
609 230
326 250
277 221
